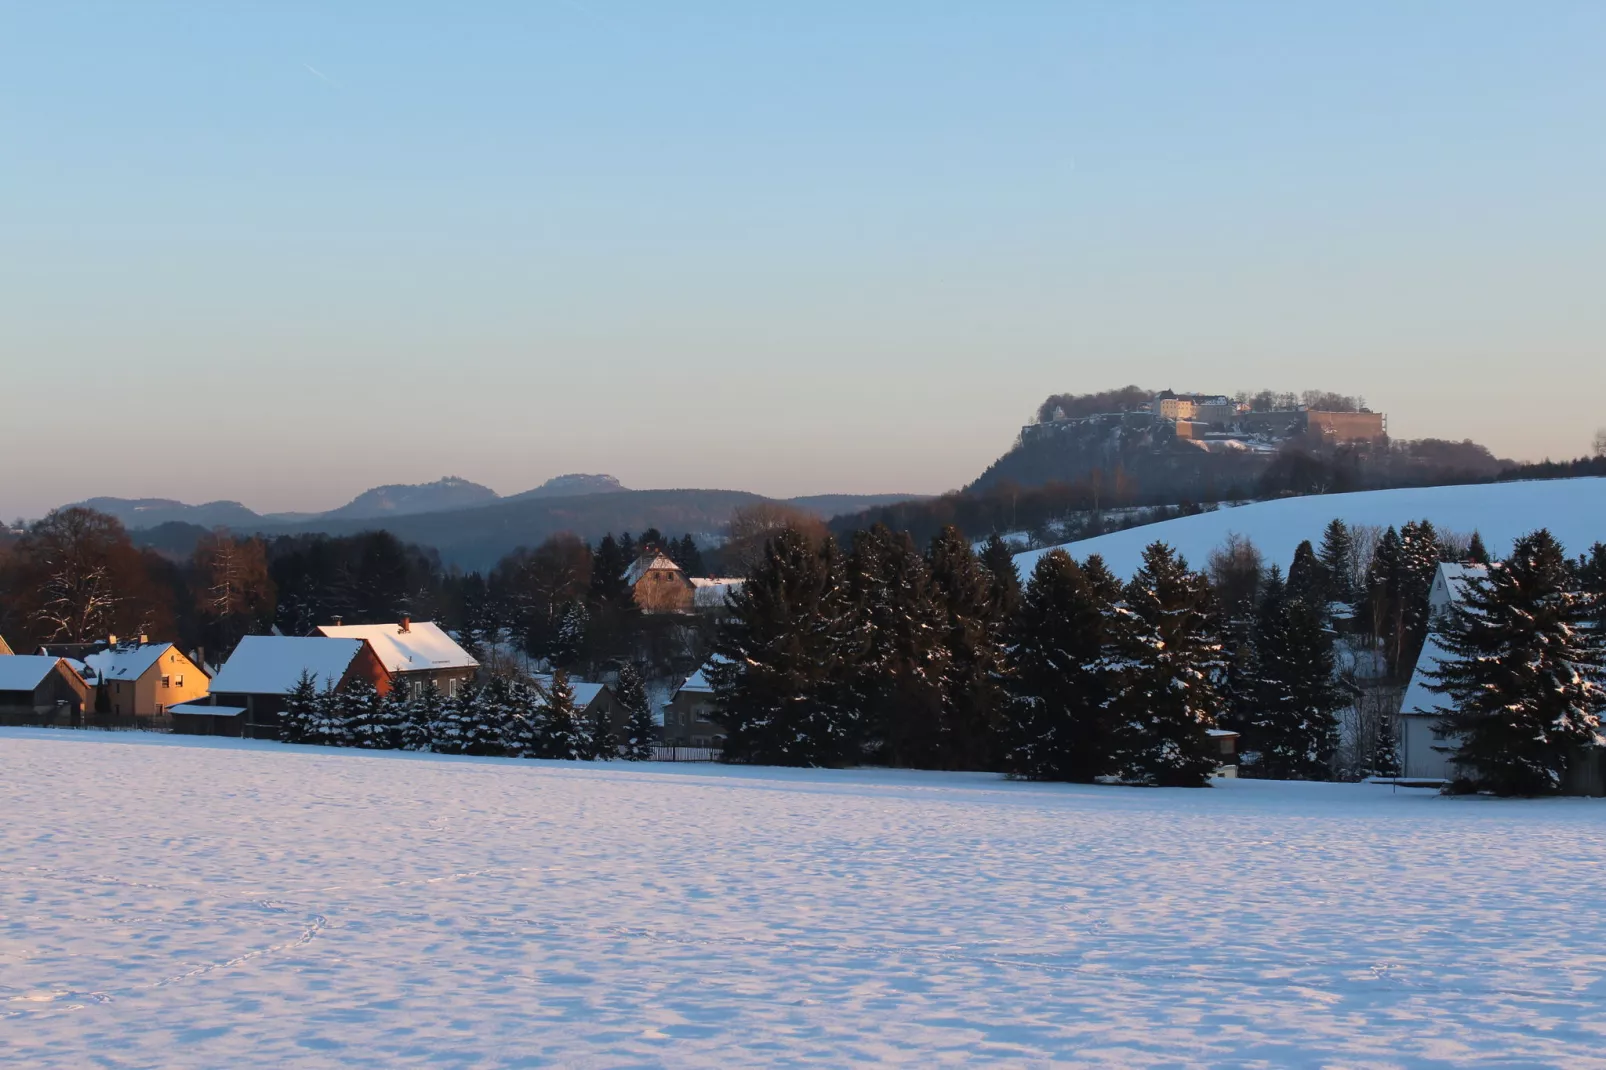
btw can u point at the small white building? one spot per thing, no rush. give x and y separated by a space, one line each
1425 749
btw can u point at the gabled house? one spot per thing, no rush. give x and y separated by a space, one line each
142 680
658 585
39 689
689 715
413 652
258 677
1425 749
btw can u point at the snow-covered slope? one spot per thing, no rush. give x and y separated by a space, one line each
179 902
1573 509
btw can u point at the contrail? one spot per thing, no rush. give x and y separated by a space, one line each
322 77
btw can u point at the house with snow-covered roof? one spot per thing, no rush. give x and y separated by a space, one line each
1426 750
658 585
414 653
39 689
689 714
142 680
259 676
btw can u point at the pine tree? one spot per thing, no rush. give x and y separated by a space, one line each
1172 656
1307 579
686 554
562 736
1591 581
1293 731
896 658
362 715
974 647
1383 752
640 732
1059 724
298 723
422 714
394 713
598 743
521 735
1522 672
569 646
1337 557
458 727
1477 554
999 561
608 565
778 681
329 718
1383 594
494 720
1420 553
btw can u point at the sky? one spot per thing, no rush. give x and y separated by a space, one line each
279 252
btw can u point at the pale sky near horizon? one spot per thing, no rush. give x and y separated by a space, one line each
282 252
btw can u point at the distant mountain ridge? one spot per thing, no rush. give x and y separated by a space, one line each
404 499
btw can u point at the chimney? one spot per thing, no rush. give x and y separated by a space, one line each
338 618
111 640
143 639
406 624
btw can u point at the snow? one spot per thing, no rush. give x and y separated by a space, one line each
256 905
1573 509
272 664
124 662
645 564
713 593
24 672
584 693
425 645
202 709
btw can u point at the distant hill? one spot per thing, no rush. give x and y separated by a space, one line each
830 506
1573 509
406 499
151 512
570 486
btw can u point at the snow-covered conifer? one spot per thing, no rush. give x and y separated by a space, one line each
1523 672
973 636
999 561
562 736
1337 557
299 721
1058 723
362 704
640 733
1171 660
422 714
1292 726
778 683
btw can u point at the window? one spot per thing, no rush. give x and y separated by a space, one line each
178 681
164 681
451 687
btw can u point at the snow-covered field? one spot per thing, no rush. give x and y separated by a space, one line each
169 902
1573 509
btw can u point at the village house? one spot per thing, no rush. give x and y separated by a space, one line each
250 690
143 680
38 689
658 585
414 653
688 717
1426 750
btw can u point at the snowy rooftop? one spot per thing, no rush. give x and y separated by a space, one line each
202 709
648 563
584 693
712 593
272 664
424 645
1573 509
23 672
124 662
697 682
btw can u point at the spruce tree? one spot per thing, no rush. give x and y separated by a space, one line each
1337 557
1171 659
522 733
562 736
598 743
394 712
1293 731
329 718
999 561
422 714
1591 581
1477 554
641 733
299 721
896 660
458 727
1307 579
1058 724
778 682
1383 596
973 634
1420 553
364 727
494 720
609 562
569 646
1522 672
1383 751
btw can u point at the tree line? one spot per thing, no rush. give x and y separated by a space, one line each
942 659
503 716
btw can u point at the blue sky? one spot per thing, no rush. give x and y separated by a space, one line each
280 252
